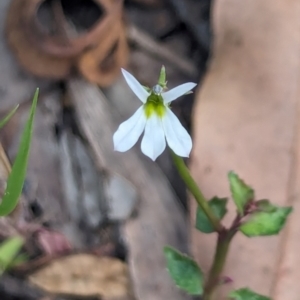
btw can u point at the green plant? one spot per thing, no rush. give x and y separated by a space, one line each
10 248
16 178
253 218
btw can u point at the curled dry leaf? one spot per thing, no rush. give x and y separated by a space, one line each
27 53
101 64
57 28
84 275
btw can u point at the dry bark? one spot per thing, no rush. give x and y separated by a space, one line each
246 119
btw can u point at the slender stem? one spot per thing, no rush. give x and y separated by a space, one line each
218 264
196 192
223 243
224 235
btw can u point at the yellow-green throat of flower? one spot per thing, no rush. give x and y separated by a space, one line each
155 103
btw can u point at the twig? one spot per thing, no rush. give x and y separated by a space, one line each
147 43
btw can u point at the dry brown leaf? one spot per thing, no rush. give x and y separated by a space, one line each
5 169
84 275
28 55
101 64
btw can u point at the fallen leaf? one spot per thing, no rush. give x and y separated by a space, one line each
84 275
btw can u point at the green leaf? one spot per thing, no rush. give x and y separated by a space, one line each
241 192
16 178
218 206
265 206
246 294
8 117
268 222
8 251
184 271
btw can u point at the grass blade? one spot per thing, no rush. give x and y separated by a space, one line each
8 251
8 117
17 176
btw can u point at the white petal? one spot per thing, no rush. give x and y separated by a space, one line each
177 137
177 92
136 87
153 142
129 131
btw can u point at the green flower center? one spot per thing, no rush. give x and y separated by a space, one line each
154 104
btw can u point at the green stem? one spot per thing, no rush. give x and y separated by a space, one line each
194 189
212 282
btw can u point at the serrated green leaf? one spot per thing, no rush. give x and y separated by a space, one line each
184 271
16 178
8 117
241 192
246 294
218 206
266 223
9 250
265 206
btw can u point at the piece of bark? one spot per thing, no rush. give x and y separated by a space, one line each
246 120
159 219
83 192
43 183
43 168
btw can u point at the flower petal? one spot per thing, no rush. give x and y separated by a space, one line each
129 131
153 142
177 137
136 87
177 92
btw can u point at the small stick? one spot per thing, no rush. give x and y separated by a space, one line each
147 43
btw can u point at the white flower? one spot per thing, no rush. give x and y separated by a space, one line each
156 119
